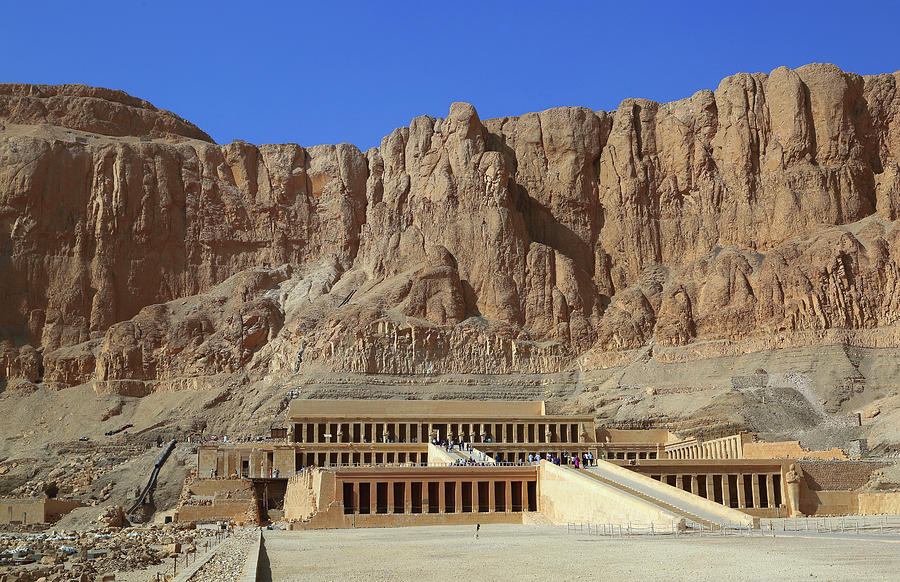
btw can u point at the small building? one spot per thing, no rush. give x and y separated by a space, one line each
32 510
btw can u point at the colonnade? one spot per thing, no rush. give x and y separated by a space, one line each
330 458
738 490
490 495
328 431
723 448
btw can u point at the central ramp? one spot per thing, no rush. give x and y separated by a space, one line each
693 508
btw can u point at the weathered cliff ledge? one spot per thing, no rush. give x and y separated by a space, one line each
759 214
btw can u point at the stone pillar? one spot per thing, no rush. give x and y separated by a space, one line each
458 497
390 497
442 497
726 491
407 498
694 487
754 483
373 497
492 497
710 491
770 489
508 491
742 501
679 481
356 497
475 504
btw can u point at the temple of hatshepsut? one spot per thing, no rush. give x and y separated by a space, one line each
383 463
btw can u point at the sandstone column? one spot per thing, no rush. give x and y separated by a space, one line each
741 495
475 504
492 496
390 497
754 485
694 485
726 491
679 481
458 507
770 489
356 497
508 491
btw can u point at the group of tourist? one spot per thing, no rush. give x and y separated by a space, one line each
578 461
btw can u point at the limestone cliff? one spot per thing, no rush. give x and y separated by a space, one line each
756 216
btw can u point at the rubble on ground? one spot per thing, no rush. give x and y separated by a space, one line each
57 556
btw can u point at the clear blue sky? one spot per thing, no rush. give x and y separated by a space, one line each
330 71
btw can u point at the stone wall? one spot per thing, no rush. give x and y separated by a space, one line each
214 486
22 510
225 499
228 511
838 476
879 503
789 450
308 493
29 511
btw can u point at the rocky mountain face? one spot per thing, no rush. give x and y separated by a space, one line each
138 254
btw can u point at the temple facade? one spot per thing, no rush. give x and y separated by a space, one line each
378 463
334 433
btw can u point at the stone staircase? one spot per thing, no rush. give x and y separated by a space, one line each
691 519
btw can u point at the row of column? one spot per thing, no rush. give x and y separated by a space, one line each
328 458
770 493
514 496
474 432
632 455
726 448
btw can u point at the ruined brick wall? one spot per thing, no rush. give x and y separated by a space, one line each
838 475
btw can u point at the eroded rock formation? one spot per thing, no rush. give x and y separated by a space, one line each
133 249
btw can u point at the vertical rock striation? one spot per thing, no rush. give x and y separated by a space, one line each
765 208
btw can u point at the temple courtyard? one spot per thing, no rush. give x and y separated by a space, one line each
544 552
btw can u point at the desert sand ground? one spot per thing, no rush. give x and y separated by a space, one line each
530 552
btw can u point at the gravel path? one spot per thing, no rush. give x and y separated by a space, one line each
227 564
